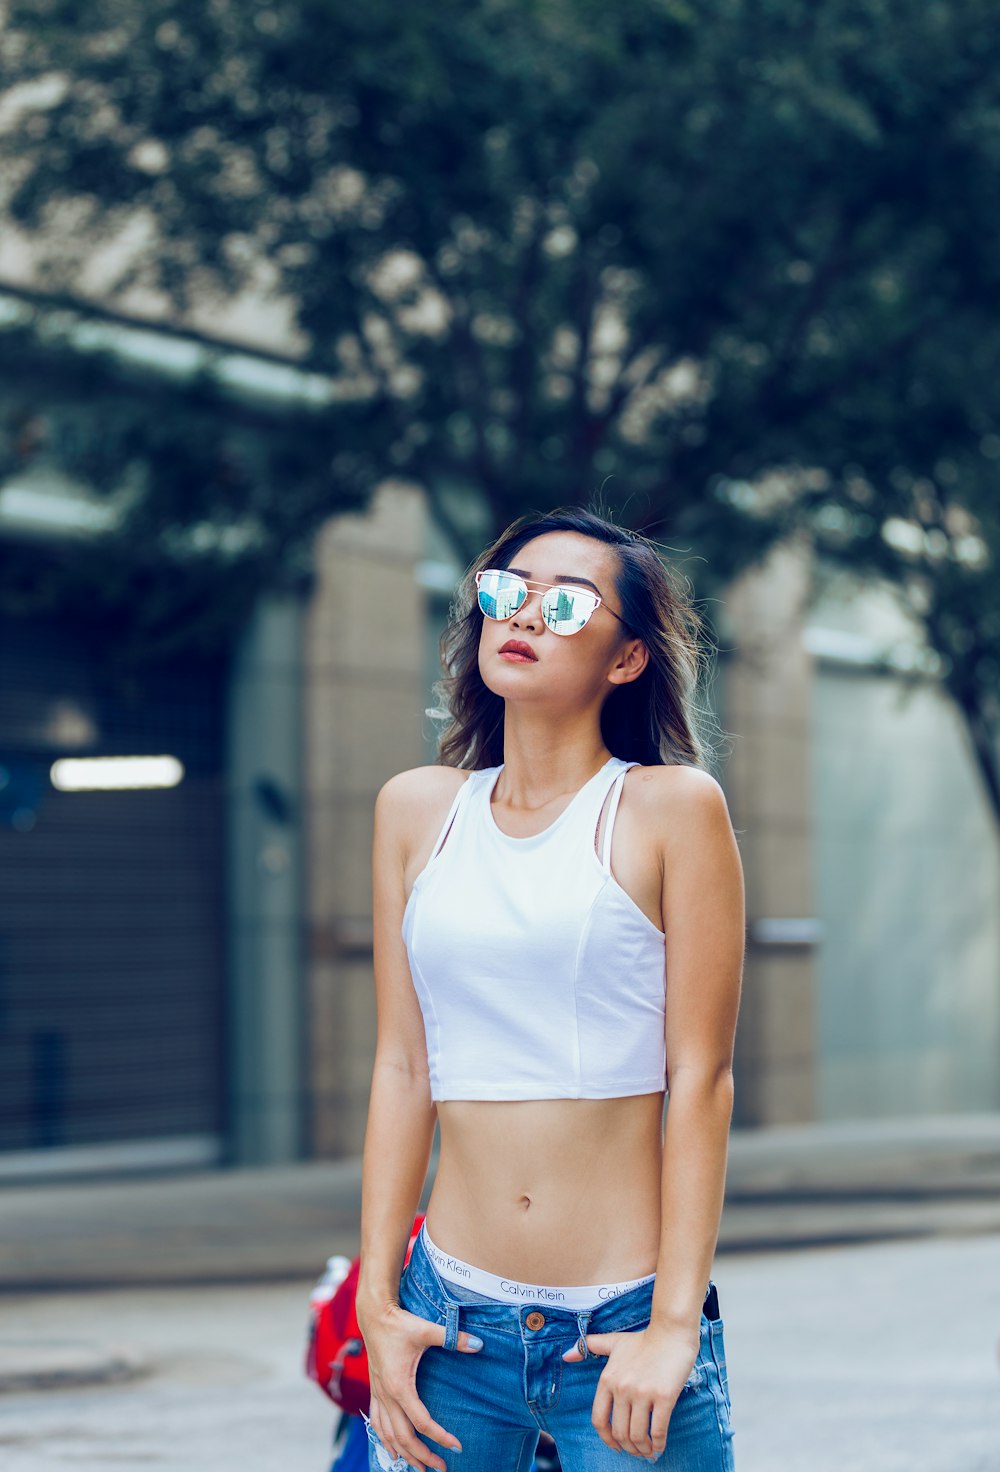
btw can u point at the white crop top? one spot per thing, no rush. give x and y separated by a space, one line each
538 976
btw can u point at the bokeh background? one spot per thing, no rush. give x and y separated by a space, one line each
301 303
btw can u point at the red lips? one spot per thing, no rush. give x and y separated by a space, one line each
518 646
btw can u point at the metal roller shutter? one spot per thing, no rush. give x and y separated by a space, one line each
111 902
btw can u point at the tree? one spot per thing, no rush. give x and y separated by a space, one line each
738 257
209 491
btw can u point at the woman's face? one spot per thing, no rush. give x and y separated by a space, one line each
561 668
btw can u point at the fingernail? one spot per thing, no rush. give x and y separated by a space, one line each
475 1342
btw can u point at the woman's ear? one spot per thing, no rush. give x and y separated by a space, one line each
632 659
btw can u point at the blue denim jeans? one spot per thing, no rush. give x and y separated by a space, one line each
498 1399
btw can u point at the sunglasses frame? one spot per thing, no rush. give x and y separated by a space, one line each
595 598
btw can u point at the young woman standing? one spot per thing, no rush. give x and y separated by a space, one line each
559 931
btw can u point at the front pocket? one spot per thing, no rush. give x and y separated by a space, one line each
383 1459
403 1281
415 1300
696 1377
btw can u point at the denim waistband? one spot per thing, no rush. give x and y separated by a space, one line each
628 1310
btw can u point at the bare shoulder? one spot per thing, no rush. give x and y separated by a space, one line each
412 790
678 799
413 802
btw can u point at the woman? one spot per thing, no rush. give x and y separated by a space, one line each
531 895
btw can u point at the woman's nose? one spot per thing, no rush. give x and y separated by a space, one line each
530 612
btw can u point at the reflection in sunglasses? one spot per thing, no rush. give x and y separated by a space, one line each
565 610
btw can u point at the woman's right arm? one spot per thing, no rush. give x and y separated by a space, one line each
399 1133
401 1116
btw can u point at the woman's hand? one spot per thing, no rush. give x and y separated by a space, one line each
395 1340
639 1386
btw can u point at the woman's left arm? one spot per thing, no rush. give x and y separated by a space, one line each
704 918
703 908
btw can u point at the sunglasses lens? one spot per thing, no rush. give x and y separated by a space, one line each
566 610
501 594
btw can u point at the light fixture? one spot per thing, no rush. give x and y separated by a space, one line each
111 773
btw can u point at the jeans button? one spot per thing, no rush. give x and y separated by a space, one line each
535 1320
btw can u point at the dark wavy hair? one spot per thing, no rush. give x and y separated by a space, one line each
655 719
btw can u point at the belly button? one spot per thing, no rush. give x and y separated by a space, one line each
525 1202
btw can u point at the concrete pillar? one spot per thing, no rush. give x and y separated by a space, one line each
265 887
365 693
765 709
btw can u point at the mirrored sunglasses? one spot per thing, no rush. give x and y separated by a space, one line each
565 609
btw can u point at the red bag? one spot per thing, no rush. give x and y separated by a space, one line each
336 1357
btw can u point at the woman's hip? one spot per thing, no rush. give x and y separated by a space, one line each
519 1379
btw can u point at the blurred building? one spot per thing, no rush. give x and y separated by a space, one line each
185 969
871 856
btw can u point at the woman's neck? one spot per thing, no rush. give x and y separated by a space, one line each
543 760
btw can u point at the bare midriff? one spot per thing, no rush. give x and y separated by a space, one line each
550 1191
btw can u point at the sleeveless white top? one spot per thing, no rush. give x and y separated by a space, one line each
538 976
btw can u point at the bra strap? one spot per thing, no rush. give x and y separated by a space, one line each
609 822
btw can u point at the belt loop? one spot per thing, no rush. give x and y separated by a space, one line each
451 1326
582 1320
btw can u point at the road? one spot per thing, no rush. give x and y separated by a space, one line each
872 1358
881 1358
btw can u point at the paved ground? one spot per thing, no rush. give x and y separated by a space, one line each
878 1357
220 1386
881 1358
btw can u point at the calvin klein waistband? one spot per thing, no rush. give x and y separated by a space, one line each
511 1290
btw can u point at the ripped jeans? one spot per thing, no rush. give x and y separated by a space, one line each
498 1399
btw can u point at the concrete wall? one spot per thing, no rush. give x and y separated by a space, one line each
364 651
908 878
